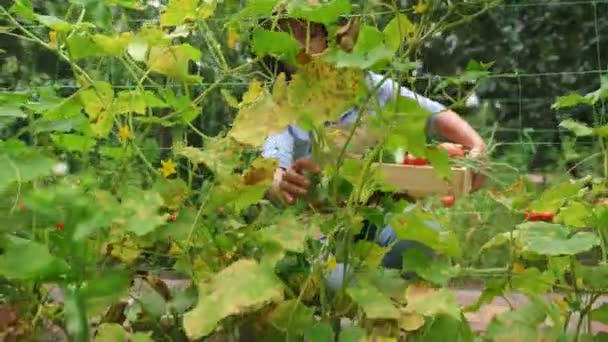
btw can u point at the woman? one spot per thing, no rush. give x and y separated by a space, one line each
292 146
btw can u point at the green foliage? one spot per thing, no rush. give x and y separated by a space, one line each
123 173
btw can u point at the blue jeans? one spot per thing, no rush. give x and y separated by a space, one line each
392 260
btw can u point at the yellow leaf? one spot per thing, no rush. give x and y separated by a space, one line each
331 263
167 168
173 61
253 93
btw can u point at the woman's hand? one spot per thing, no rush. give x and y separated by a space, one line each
291 184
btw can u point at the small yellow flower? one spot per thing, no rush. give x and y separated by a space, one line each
518 268
421 7
53 39
233 37
124 133
168 168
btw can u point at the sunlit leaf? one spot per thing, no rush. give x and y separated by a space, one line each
575 214
431 302
178 12
173 61
532 282
374 304
398 30
242 287
24 9
130 4
54 23
287 233
569 101
578 128
440 160
552 199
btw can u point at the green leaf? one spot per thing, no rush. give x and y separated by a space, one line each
552 199
110 332
319 332
25 167
398 30
292 316
130 4
523 324
594 277
600 314
438 272
73 142
75 315
279 44
532 282
240 288
325 13
173 61
431 302
97 99
370 253
179 12
287 233
440 160
446 328
141 337
24 9
141 212
255 9
411 226
576 214
601 93
82 45
374 304
54 23
553 239
353 334
571 100
579 129
29 260
376 57
369 38
58 125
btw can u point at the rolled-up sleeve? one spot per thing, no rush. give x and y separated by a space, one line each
279 146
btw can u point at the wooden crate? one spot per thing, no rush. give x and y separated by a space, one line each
420 181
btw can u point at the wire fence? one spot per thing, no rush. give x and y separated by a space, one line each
522 131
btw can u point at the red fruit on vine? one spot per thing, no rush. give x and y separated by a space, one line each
21 207
60 226
448 201
173 217
539 216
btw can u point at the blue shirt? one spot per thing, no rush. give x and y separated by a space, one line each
294 143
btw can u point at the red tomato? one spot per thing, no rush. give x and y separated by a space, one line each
539 216
411 160
448 201
173 217
60 226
